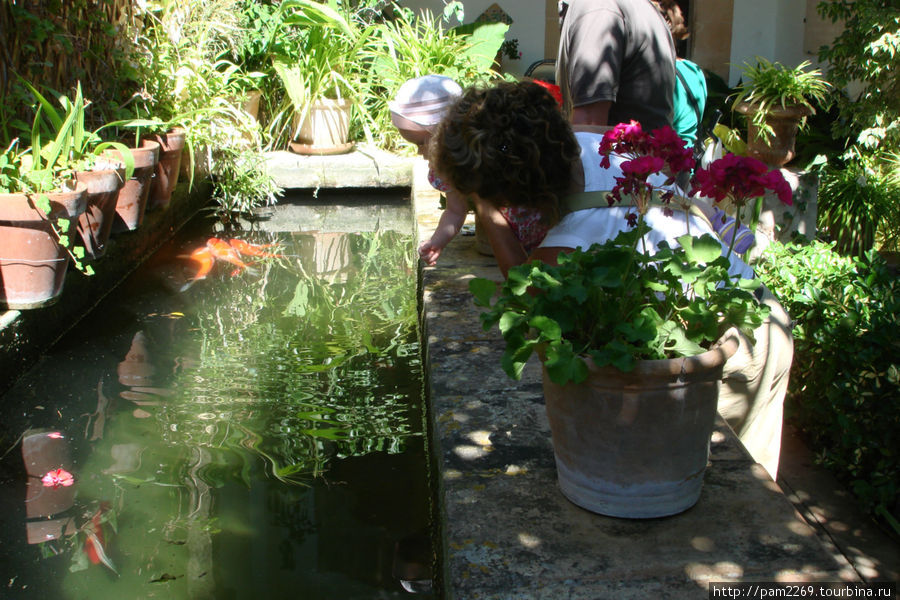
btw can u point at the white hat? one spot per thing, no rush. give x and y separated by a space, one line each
424 100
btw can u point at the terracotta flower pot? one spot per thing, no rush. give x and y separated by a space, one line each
132 199
775 150
32 262
167 168
95 224
636 444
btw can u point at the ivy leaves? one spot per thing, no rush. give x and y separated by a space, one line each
617 305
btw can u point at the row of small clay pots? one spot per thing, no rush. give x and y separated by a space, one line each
32 262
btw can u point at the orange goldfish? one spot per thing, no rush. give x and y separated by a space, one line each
222 250
249 249
205 257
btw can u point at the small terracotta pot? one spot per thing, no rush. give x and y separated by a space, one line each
95 224
131 201
167 168
32 262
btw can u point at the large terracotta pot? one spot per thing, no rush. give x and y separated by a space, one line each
132 199
32 262
777 150
636 444
326 128
95 223
167 168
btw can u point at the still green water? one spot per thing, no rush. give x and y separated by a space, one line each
254 434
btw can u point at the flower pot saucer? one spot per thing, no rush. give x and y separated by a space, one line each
308 149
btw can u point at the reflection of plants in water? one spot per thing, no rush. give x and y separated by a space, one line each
296 363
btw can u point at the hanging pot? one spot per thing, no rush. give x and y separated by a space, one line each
132 199
636 444
167 168
95 223
776 149
326 128
32 262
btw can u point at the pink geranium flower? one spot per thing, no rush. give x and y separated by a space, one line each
57 478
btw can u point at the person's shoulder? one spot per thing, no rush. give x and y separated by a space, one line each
687 66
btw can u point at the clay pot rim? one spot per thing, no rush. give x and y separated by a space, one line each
791 111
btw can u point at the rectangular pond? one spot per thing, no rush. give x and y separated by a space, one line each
256 432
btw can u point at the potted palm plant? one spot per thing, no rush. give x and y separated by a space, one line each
777 100
633 338
315 72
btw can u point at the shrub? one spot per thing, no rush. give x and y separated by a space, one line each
845 381
858 205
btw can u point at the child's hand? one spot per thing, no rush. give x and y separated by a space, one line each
429 252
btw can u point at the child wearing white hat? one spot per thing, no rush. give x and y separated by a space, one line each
416 111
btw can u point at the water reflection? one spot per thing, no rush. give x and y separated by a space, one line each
255 433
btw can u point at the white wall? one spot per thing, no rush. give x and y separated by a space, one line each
772 29
528 25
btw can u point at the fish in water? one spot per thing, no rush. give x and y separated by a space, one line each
223 251
248 249
93 544
230 251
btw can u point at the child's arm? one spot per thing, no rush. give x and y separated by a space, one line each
451 222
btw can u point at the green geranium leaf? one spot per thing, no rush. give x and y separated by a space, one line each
548 328
518 280
675 340
564 366
700 250
515 358
483 290
510 321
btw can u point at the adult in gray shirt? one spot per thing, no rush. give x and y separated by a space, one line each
616 63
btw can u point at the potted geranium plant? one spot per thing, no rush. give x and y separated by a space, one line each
633 338
777 100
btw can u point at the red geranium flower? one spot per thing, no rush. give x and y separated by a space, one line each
740 179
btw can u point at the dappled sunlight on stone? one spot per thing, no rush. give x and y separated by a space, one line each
515 470
452 474
528 540
481 437
703 544
800 528
467 452
716 571
717 437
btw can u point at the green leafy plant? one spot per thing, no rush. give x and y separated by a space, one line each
79 149
858 205
771 85
616 305
845 378
621 301
321 61
412 45
865 54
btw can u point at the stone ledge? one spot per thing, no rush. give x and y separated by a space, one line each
364 167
